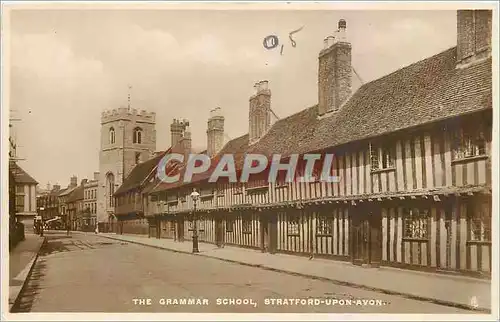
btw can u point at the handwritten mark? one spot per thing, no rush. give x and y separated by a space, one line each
294 32
271 42
281 51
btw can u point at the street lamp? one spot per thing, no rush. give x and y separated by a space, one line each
194 196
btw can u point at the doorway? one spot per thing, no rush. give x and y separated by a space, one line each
269 233
180 228
219 231
366 233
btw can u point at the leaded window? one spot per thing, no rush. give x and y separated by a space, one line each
479 215
415 223
324 225
293 225
246 225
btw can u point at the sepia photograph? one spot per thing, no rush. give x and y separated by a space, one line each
249 160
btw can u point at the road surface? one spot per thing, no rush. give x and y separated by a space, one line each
88 273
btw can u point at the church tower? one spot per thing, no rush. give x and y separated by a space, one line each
128 137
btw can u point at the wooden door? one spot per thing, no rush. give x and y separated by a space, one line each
219 231
264 237
360 239
180 228
366 228
273 233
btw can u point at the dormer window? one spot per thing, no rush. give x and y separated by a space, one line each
112 135
137 135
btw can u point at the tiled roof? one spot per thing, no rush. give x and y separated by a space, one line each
237 147
76 194
21 176
66 191
139 173
424 92
430 90
427 91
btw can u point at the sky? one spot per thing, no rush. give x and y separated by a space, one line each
67 66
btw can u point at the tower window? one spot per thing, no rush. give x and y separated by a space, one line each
137 135
112 135
110 182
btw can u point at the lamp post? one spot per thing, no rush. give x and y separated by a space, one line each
194 196
41 220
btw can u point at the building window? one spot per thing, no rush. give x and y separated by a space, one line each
20 203
468 144
479 216
137 157
191 224
293 224
110 183
20 189
221 189
246 224
324 225
229 225
112 135
381 157
201 224
415 223
238 187
137 135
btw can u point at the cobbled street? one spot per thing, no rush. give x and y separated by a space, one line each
88 273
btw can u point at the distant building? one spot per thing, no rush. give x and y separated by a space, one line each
25 200
89 218
75 210
63 197
48 204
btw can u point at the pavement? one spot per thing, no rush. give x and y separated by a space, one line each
457 291
90 273
21 261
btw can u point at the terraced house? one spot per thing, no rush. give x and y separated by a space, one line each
413 153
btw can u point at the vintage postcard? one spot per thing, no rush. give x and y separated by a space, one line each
250 161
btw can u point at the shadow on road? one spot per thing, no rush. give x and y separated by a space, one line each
32 289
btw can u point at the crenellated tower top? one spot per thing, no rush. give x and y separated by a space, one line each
127 113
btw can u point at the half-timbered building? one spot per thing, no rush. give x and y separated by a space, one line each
412 151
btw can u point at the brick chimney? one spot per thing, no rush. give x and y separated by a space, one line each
215 132
73 181
259 119
334 71
84 181
96 175
185 141
474 34
56 187
176 129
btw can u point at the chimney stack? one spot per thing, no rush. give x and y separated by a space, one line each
474 32
176 129
84 181
215 132
334 71
260 111
96 176
56 187
73 181
185 142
